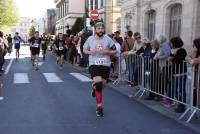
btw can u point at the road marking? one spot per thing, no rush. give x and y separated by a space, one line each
52 77
9 66
81 77
21 78
40 63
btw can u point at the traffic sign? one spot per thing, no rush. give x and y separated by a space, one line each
94 15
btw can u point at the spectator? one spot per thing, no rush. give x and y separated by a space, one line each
164 50
194 60
179 73
117 35
153 72
134 67
161 56
145 50
128 43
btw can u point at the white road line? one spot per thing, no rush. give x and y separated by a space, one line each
52 77
81 77
40 63
9 66
21 78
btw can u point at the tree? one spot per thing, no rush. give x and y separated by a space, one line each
31 31
78 25
8 13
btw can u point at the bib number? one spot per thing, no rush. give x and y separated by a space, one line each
61 48
43 42
36 45
17 42
100 61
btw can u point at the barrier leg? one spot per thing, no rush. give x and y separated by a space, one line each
191 116
183 115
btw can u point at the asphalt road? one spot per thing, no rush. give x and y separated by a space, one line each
52 101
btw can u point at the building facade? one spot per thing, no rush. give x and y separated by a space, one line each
49 21
67 11
172 17
109 11
23 27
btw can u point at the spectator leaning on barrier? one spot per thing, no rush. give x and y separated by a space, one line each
137 45
194 59
178 73
164 51
145 50
153 71
161 56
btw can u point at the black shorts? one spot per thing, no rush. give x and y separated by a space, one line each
60 52
17 47
98 70
35 51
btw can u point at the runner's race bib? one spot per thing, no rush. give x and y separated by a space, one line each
43 42
36 45
100 61
17 41
61 48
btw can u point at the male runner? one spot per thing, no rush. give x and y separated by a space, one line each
35 50
44 46
99 48
60 47
17 41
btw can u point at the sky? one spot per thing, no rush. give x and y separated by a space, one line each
33 8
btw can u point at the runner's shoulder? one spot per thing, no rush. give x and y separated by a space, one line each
107 38
91 38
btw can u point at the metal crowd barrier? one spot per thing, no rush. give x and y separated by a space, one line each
129 70
195 93
178 82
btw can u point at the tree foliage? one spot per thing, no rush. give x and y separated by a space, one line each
8 13
31 31
78 25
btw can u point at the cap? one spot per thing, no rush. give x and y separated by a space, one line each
99 24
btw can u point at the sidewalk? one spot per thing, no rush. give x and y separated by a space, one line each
129 91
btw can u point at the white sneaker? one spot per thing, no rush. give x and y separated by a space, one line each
1 98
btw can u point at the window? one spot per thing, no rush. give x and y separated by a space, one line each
91 4
67 8
175 20
96 4
102 3
151 22
119 2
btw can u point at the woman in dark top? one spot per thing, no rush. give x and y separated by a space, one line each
178 73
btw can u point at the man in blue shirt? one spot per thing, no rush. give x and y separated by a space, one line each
17 41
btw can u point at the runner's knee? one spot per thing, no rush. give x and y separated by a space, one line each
98 86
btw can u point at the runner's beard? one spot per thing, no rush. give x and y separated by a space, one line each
100 34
